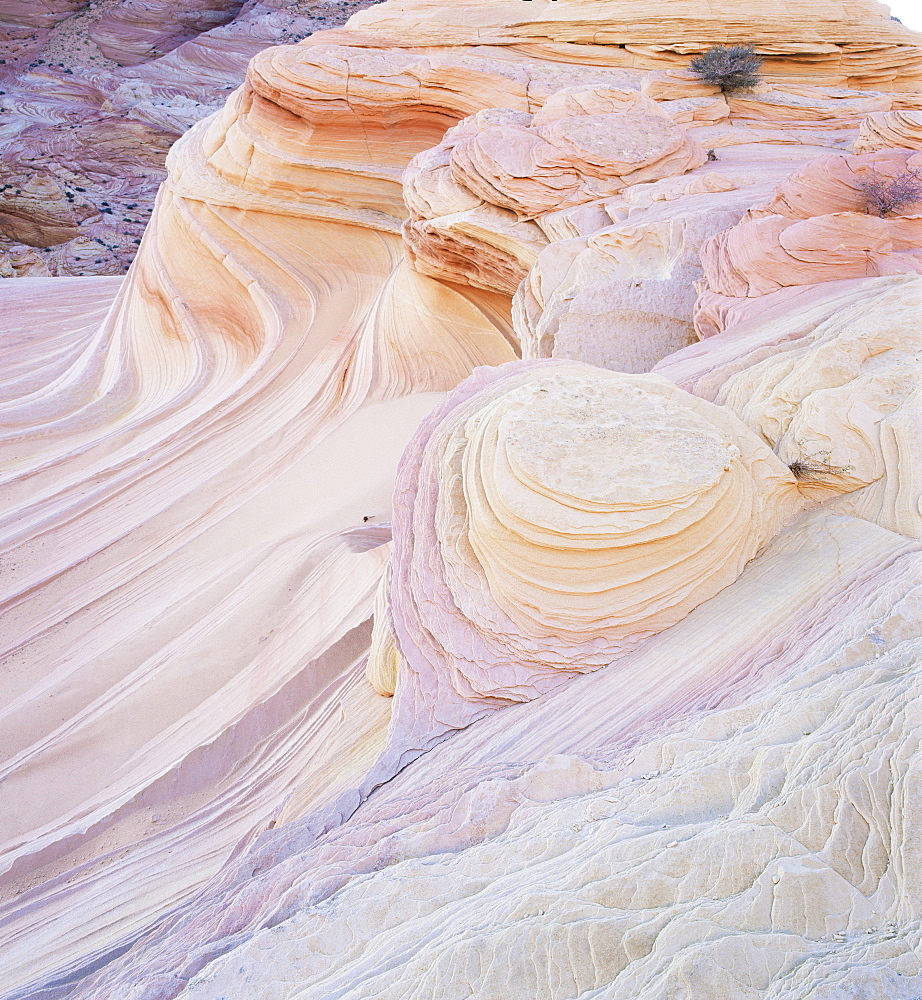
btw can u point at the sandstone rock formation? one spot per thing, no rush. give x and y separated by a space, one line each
549 466
138 30
71 116
888 129
828 41
499 170
652 637
832 384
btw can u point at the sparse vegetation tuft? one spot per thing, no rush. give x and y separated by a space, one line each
730 67
806 471
891 194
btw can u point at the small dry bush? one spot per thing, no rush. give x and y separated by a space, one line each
891 194
730 67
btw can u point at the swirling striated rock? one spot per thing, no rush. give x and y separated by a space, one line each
549 518
188 458
38 211
832 384
473 198
830 42
676 84
885 130
136 31
194 463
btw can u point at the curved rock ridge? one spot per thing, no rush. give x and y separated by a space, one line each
842 42
833 384
817 227
549 517
797 106
189 456
498 170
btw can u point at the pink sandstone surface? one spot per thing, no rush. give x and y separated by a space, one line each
601 457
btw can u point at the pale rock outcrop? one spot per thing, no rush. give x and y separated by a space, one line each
623 298
833 385
618 287
726 814
549 466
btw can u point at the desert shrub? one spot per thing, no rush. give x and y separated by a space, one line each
890 194
811 471
730 67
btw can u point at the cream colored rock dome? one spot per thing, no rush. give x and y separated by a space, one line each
550 516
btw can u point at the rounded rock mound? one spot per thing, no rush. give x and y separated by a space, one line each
551 515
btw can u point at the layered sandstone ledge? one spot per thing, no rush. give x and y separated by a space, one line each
92 96
644 586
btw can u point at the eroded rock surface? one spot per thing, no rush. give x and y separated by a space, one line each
652 637
551 466
71 115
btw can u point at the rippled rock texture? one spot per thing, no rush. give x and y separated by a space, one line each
599 456
628 501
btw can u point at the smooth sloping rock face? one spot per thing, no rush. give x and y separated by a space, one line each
188 457
550 517
728 813
695 870
624 297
